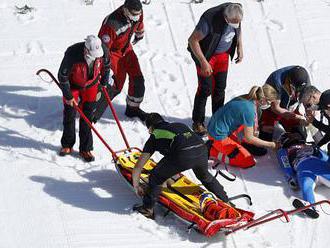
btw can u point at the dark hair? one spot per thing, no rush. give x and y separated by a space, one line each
133 5
324 100
153 119
299 78
307 92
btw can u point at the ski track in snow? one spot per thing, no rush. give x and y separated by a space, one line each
52 201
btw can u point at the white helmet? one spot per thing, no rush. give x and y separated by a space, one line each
93 45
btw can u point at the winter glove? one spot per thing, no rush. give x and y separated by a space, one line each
136 39
65 87
107 79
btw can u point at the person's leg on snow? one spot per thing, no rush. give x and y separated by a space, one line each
69 126
88 97
165 169
308 172
69 131
203 92
119 76
200 169
220 71
231 152
136 87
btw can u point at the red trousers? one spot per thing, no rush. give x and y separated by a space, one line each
269 118
214 85
230 151
128 64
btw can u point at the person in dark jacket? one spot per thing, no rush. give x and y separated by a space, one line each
182 150
314 100
216 37
116 32
83 67
287 82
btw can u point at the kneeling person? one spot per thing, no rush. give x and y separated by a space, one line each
182 150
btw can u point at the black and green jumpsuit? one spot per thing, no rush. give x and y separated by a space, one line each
182 150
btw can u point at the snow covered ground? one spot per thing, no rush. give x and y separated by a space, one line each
50 201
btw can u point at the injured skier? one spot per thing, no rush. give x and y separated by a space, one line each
305 165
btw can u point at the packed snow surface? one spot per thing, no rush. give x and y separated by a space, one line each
52 201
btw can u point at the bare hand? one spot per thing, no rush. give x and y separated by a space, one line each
71 102
239 57
310 115
206 69
139 190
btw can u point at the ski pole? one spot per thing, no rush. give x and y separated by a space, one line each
114 113
114 155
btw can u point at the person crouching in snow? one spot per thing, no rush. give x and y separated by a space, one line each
240 115
83 67
182 150
288 82
314 100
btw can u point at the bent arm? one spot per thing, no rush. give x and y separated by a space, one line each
138 168
286 114
194 45
250 138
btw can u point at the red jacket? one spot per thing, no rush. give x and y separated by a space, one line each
74 73
79 74
116 31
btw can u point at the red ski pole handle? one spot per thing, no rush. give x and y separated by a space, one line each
114 155
114 113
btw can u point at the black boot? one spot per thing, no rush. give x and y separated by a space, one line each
135 112
148 213
255 150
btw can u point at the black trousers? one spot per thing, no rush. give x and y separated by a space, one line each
69 130
195 159
205 90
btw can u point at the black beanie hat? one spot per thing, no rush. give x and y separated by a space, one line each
299 77
324 100
133 5
153 119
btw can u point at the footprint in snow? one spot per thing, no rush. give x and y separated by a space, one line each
25 14
274 25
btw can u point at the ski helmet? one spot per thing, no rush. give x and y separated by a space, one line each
324 100
299 78
153 119
135 5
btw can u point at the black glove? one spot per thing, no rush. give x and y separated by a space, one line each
136 39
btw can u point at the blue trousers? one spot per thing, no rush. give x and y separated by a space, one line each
307 172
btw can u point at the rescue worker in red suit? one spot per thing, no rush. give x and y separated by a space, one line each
116 33
216 37
84 66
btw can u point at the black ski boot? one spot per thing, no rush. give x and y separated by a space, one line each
148 213
135 112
